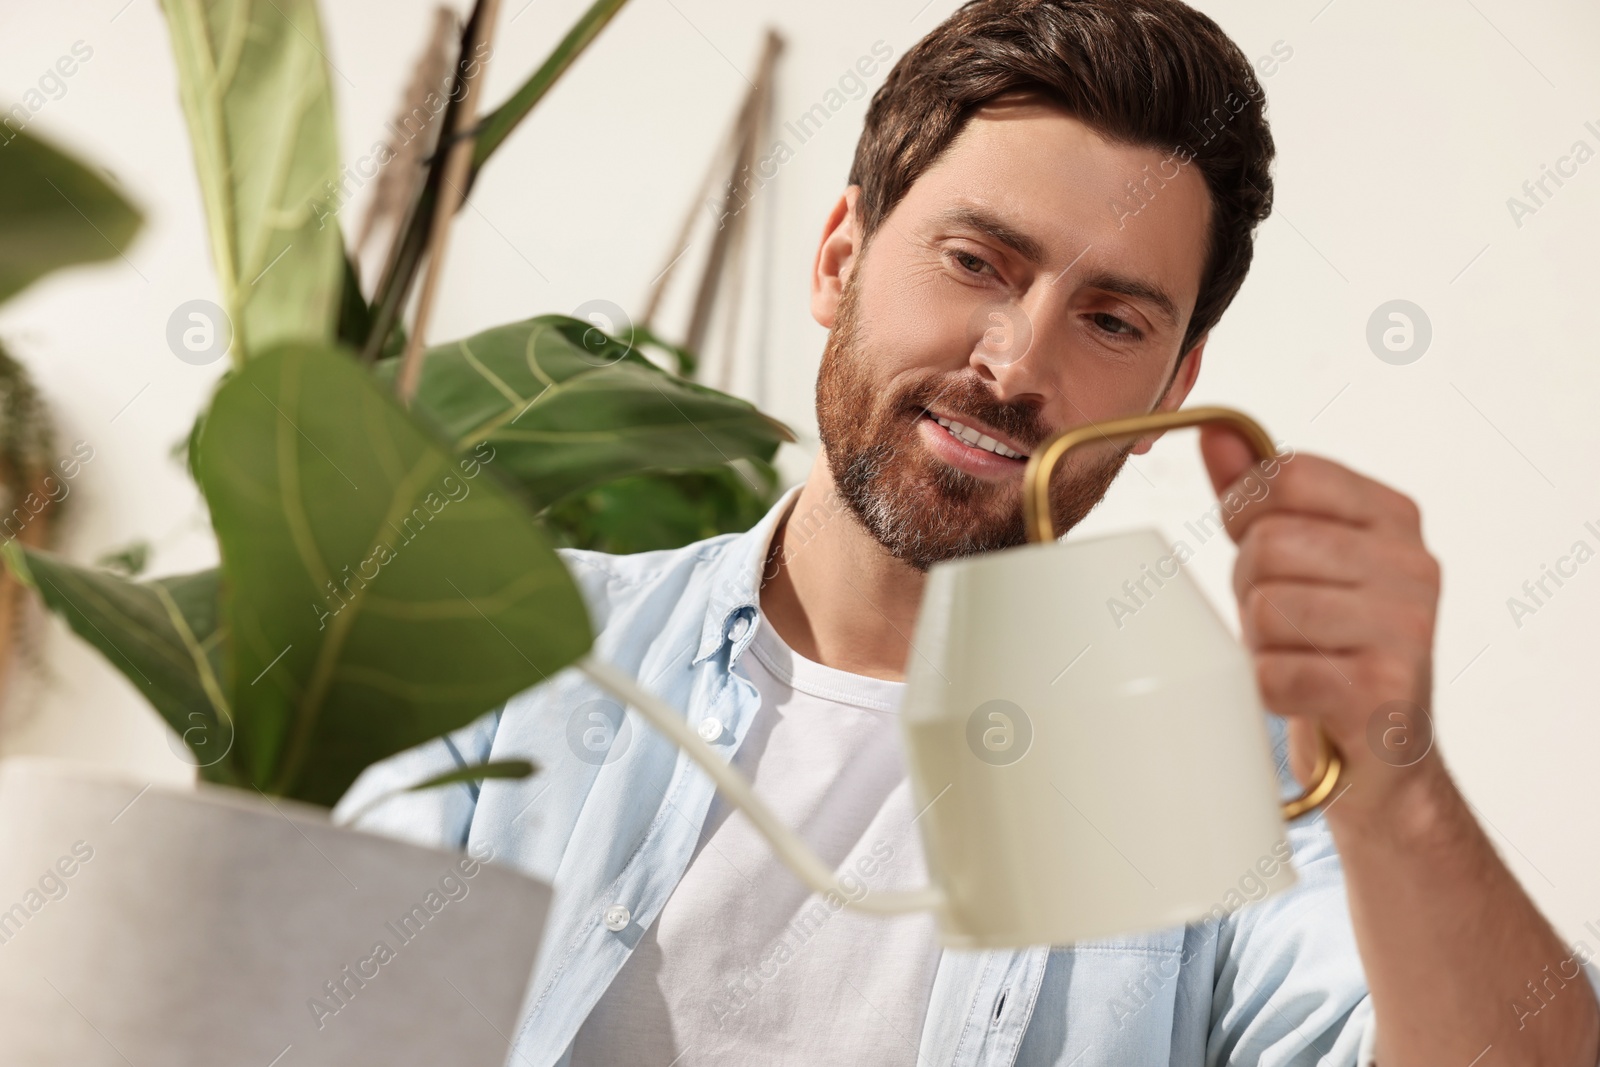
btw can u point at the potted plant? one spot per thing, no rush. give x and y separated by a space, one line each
387 575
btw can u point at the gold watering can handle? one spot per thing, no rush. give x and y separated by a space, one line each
1036 518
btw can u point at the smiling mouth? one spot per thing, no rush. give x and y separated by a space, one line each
975 438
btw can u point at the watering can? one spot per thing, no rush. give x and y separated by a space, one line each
1084 737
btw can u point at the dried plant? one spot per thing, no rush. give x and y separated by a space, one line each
414 130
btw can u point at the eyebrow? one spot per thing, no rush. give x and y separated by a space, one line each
1030 249
1137 289
990 226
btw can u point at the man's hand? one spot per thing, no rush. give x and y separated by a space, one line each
1337 600
1337 597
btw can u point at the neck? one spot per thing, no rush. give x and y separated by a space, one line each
832 592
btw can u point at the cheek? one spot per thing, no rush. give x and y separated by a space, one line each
1092 387
918 321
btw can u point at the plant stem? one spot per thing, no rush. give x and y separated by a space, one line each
405 249
452 190
406 252
499 123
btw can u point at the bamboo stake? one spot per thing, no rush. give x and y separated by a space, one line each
747 129
451 191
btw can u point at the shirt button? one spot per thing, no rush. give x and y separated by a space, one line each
740 627
710 729
617 918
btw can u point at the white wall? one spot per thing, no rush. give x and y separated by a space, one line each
1402 131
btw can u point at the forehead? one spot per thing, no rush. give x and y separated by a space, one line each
1051 177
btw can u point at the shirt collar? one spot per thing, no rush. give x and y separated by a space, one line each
736 576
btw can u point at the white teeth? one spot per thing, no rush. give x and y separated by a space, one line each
976 439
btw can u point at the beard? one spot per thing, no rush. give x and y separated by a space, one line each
921 510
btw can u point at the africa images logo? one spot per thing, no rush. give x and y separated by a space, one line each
999 732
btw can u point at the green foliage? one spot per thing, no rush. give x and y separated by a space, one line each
384 576
380 591
665 509
129 560
407 254
567 407
497 126
54 212
163 635
510 768
356 317
684 361
256 94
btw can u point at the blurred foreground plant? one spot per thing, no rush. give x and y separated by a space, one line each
387 574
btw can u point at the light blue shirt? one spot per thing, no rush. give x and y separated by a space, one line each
1277 982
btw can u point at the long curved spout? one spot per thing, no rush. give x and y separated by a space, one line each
795 853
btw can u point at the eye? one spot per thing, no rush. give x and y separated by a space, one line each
970 263
1113 325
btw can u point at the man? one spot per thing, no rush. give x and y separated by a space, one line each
1051 205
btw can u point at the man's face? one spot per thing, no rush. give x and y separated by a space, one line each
1009 293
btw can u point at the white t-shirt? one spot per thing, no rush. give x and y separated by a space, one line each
745 965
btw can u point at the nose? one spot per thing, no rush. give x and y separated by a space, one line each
1009 351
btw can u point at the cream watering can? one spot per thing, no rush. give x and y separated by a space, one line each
1081 772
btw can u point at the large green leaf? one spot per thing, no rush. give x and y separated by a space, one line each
567 408
163 635
381 591
254 84
665 509
54 212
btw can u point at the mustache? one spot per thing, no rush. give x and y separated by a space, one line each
967 396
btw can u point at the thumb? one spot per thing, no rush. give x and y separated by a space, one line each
1228 456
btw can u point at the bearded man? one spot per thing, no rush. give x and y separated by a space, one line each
1051 205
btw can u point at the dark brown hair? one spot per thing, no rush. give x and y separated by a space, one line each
1152 73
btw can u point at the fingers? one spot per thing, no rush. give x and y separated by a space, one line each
1306 485
1291 547
1307 682
1337 598
1303 682
1228 457
1329 619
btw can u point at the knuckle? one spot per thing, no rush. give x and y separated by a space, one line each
1418 625
1290 473
1384 675
1259 614
1274 543
1432 572
1249 564
1284 681
1407 510
1271 680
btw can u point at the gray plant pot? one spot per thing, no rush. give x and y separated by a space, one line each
162 928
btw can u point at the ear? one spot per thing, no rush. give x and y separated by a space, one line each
1178 390
836 256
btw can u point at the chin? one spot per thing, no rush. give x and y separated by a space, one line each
929 520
